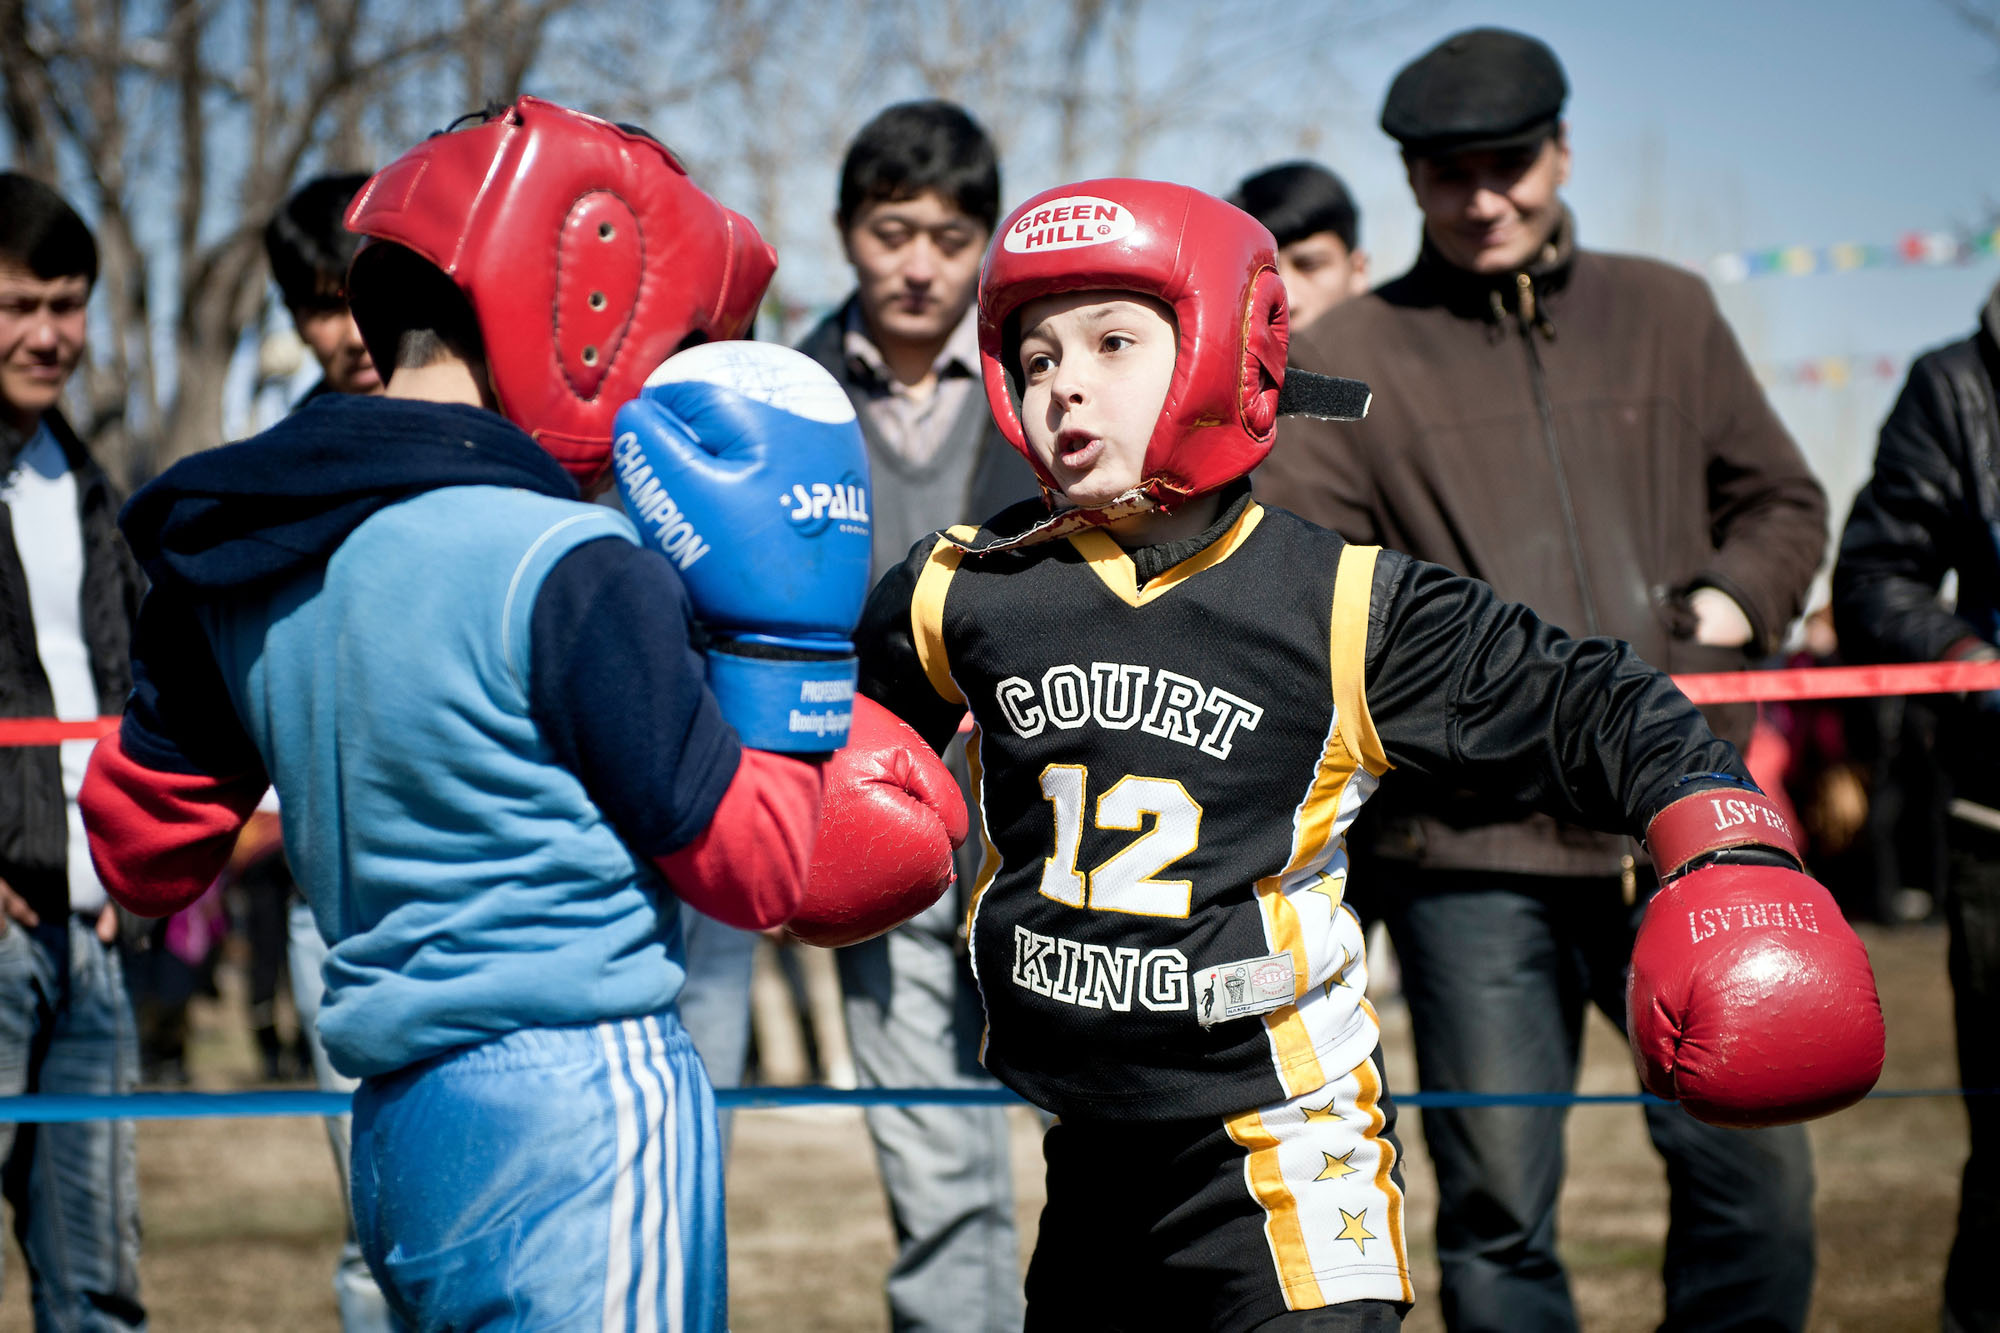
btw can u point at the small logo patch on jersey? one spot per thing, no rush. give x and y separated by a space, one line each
1067 223
1242 989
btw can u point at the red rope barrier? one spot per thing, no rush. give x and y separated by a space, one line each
1717 687
1740 687
48 730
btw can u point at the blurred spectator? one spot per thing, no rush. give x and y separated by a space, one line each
170 961
1863 776
1932 506
1625 479
1826 776
310 247
1308 210
919 195
69 593
265 891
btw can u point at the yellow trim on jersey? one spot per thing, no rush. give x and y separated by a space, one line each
1297 1062
989 859
1283 1227
927 612
1109 562
1351 745
1353 587
989 855
1369 1100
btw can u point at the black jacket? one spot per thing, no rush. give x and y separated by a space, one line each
1932 505
34 823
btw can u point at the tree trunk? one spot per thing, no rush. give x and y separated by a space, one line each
27 93
219 301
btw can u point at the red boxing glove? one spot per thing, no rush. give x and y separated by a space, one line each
1750 1000
888 823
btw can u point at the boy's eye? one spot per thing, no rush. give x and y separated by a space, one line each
1117 342
1037 364
893 237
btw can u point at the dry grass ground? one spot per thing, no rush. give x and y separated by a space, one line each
242 1219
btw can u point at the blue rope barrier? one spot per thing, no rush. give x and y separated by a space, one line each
54 1108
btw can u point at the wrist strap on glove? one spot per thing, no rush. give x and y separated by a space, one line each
799 702
1713 821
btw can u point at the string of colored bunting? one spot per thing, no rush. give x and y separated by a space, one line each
1831 372
1707 688
1913 249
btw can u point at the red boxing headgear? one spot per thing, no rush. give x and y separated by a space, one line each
1214 264
587 254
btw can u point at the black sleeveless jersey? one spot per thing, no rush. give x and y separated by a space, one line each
1164 773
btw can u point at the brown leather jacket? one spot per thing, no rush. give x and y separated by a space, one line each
1585 436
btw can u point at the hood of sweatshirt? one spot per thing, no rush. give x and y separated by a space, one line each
270 507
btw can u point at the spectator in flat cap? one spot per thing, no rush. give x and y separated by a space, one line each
1481 90
1664 505
1318 229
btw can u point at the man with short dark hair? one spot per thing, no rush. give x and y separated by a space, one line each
310 247
1628 479
69 591
919 194
1309 212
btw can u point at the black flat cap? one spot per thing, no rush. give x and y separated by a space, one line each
1482 88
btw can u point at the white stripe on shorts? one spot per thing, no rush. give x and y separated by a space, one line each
618 1244
670 1185
1333 1215
649 1178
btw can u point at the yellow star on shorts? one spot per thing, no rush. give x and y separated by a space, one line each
1326 1112
1337 1168
1354 1231
1339 977
1334 888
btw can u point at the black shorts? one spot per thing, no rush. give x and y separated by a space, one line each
1223 1225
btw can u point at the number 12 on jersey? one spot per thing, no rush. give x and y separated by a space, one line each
1124 882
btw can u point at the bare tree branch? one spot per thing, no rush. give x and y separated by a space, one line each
1982 16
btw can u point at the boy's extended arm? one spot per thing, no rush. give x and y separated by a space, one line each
725 429
893 814
1749 999
167 793
616 687
1470 692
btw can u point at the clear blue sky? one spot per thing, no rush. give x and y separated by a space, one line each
1705 126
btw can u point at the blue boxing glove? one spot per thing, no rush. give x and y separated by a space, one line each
744 465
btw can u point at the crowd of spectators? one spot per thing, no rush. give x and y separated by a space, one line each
1514 372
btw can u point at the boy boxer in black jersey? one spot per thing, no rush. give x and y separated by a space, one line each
1181 699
